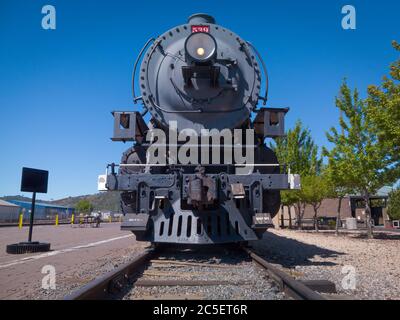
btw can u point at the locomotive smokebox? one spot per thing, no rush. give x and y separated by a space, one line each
200 18
201 75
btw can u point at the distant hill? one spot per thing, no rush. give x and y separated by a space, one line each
101 201
22 198
105 201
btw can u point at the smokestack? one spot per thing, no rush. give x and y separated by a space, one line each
201 18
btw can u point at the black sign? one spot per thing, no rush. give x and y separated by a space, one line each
34 180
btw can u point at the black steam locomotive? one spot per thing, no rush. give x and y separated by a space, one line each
185 179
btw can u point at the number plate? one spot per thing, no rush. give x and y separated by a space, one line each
200 29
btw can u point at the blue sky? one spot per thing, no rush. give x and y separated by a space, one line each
57 87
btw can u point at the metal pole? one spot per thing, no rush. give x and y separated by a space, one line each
32 214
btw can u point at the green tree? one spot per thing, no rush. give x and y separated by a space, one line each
360 161
394 205
300 154
314 190
383 109
289 199
84 206
336 184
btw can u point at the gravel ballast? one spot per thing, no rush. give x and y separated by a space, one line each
243 278
310 255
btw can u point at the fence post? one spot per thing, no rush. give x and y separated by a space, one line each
21 218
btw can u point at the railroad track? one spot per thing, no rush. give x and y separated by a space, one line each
238 272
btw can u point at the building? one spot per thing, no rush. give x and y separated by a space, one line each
9 212
105 215
351 207
44 211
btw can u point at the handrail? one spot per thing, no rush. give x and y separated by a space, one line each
135 99
265 98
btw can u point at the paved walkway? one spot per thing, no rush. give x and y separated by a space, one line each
77 254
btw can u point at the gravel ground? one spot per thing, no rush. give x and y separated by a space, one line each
246 280
306 255
67 282
310 255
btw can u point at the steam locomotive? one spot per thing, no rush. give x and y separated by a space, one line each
199 83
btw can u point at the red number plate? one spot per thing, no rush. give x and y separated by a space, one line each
200 29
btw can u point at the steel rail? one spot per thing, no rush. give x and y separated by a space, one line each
292 287
113 281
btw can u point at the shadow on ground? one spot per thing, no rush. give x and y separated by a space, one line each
212 254
290 253
379 236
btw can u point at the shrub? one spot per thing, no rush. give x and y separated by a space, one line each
394 205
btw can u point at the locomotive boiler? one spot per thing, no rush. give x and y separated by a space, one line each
185 179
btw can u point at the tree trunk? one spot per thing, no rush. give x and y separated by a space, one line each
290 216
368 215
315 218
301 211
282 218
299 217
338 216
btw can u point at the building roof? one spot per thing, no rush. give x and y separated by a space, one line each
381 193
40 204
384 191
7 204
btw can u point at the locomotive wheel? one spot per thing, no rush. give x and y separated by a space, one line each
271 198
134 155
128 202
271 202
137 155
263 154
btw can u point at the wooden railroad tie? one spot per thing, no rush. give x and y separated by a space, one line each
184 263
183 283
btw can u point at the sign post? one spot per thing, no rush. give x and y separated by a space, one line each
35 181
31 218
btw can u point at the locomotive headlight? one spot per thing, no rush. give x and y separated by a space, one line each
200 46
200 51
